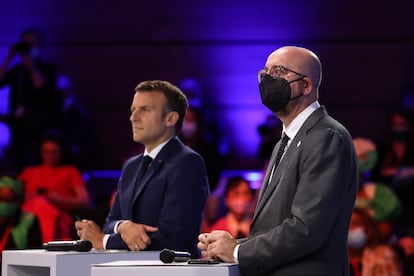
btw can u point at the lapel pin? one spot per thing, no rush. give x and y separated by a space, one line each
298 144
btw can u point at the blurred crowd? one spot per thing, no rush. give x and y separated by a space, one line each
48 144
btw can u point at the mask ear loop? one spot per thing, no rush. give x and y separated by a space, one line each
298 79
301 94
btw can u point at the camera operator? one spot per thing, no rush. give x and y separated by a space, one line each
35 104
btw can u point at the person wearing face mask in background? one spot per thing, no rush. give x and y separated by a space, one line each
238 199
193 134
35 104
301 220
371 254
18 229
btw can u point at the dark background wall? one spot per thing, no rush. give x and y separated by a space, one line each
106 48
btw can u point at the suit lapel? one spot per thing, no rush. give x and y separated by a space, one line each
163 155
272 185
289 155
155 164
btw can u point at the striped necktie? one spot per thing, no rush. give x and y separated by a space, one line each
281 151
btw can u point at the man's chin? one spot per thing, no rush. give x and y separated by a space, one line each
136 138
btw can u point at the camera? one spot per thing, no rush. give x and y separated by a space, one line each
23 47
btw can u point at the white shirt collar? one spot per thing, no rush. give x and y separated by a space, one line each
297 123
156 150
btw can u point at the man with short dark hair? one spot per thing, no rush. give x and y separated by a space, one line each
164 207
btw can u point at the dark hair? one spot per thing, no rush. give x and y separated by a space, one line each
57 137
408 116
33 31
176 100
234 182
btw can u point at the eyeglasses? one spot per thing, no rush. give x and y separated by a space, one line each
275 72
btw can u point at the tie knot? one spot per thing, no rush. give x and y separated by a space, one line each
146 160
285 139
281 149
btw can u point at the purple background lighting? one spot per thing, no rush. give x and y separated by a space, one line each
105 48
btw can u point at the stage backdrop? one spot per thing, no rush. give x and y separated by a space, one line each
107 47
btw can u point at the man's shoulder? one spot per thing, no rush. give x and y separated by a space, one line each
181 155
177 148
320 119
320 126
132 160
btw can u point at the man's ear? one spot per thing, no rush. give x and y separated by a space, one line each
307 86
171 118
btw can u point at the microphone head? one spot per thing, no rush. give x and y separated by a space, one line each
167 256
83 246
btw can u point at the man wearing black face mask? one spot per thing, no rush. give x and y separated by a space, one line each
301 221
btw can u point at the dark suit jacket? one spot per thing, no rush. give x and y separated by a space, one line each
300 225
171 196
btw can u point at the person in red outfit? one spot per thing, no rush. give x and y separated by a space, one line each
238 199
53 189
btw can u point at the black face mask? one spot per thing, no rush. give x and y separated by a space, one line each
276 92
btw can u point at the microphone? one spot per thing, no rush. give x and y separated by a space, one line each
169 256
79 245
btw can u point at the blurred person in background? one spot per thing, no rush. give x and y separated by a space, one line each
35 104
193 134
210 128
54 188
406 244
238 199
399 150
77 126
18 229
376 198
370 252
397 166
